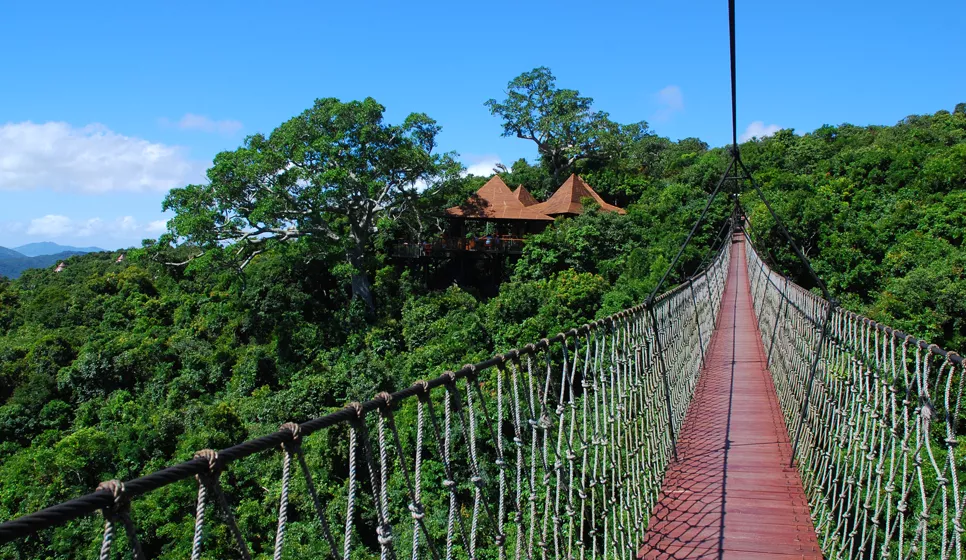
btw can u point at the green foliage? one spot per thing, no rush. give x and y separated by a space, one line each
561 123
116 369
326 175
879 211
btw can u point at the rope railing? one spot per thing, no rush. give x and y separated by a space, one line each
878 421
555 449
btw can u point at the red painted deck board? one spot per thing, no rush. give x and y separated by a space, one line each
730 493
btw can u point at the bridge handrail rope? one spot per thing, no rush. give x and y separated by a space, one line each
878 455
591 415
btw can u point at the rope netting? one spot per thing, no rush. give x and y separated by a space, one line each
874 416
554 450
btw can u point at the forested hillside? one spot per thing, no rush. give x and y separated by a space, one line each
114 369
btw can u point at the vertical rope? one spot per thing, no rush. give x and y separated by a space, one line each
212 485
283 500
351 491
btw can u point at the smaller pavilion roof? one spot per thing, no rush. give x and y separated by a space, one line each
495 201
524 196
567 199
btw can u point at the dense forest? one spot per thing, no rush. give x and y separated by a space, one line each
275 297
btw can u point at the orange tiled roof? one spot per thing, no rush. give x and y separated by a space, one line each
567 199
524 196
495 201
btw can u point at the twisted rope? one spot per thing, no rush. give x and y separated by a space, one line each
119 510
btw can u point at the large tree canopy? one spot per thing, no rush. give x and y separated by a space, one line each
330 172
560 122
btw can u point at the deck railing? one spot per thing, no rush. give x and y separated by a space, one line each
875 420
446 247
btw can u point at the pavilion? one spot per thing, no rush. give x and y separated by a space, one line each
512 215
566 201
512 211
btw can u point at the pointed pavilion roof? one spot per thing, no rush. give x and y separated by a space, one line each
524 196
567 199
495 201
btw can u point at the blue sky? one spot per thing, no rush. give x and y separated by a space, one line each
105 107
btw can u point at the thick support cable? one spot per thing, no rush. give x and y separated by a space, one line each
694 229
781 227
734 88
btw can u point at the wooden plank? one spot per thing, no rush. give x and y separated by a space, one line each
732 494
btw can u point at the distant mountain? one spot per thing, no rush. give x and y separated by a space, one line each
10 254
48 248
12 267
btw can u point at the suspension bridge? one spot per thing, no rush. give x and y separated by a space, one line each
736 415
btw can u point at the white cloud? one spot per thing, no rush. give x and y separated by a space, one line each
157 227
90 159
482 165
191 121
670 100
758 129
50 225
58 226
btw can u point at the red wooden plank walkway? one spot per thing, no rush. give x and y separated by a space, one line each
731 493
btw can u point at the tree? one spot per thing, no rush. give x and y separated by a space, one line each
559 121
328 174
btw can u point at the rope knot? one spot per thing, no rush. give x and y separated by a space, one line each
423 389
116 488
357 407
416 509
500 539
211 456
477 481
386 399
384 534
293 429
470 369
448 483
450 377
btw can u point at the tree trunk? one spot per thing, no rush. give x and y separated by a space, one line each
361 286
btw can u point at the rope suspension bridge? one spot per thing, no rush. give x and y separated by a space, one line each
736 415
